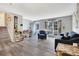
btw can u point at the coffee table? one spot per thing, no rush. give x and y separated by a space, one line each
67 49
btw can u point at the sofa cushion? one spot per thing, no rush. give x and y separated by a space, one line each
73 34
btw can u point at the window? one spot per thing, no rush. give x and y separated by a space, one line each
37 26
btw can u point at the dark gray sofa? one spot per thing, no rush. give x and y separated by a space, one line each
74 38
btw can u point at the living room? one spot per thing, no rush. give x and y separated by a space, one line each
38 29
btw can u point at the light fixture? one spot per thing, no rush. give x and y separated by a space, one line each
11 4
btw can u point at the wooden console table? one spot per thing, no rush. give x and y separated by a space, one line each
67 49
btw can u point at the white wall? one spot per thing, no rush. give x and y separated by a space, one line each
42 25
67 23
26 24
2 19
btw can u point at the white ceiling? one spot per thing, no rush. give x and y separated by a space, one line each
36 11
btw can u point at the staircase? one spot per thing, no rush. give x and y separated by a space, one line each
4 35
